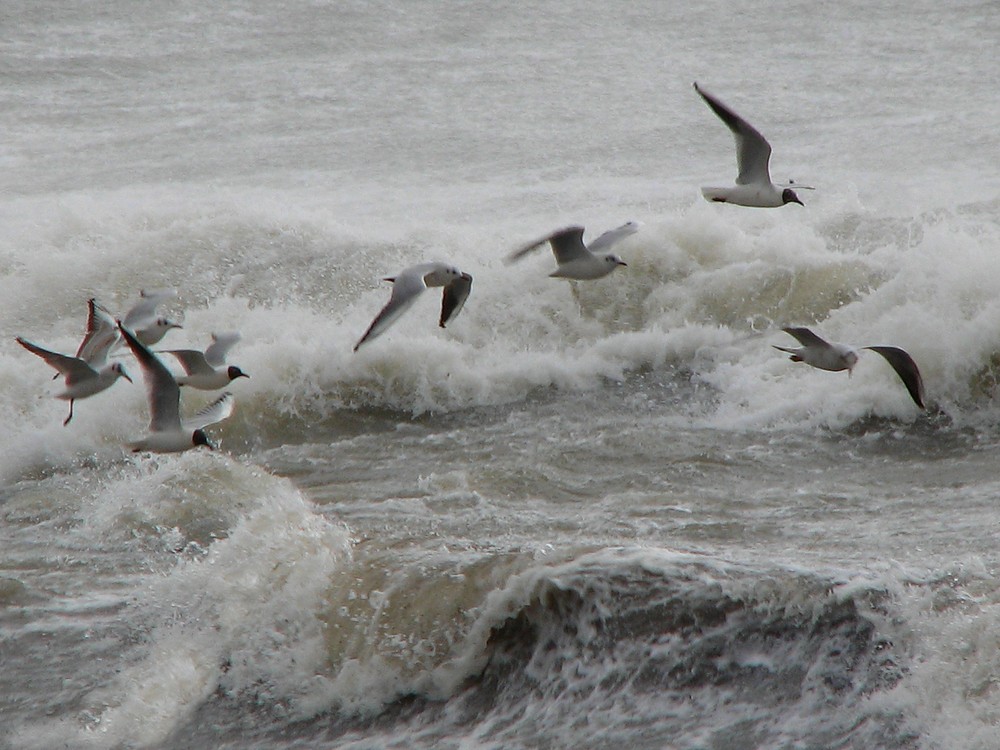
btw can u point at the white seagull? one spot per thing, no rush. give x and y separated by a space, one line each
575 259
167 432
407 286
143 320
823 355
207 371
81 378
753 183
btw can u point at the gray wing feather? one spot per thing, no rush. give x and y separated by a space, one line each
753 152
905 368
162 391
215 354
454 298
806 337
405 290
567 244
72 368
216 411
613 236
193 361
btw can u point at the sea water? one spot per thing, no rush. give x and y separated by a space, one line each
581 516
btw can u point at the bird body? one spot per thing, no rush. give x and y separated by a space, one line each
409 283
207 371
753 183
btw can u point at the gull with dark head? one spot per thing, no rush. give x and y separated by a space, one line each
207 371
753 183
574 259
167 432
142 320
82 379
407 286
824 355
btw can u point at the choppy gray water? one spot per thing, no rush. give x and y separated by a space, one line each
615 517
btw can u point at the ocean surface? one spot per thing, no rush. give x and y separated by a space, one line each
590 516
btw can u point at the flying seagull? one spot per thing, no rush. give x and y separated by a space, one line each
407 286
753 183
575 259
167 432
207 371
81 378
836 357
142 319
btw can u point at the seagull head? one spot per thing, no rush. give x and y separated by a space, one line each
613 260
850 359
236 372
198 437
788 196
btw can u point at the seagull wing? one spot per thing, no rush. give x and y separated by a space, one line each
162 391
405 289
906 368
454 297
807 338
193 361
567 244
216 352
216 411
753 152
100 337
145 308
72 368
613 236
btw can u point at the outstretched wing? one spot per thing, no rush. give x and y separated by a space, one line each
567 244
100 337
216 411
454 297
162 391
215 354
753 152
613 236
72 368
806 337
906 368
405 289
145 309
192 361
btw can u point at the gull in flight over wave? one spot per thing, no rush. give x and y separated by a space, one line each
142 319
167 432
574 259
207 371
407 286
823 355
82 379
753 183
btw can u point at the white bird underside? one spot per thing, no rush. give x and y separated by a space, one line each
207 371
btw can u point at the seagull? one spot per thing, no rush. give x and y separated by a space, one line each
207 371
81 378
836 357
753 183
409 283
167 432
100 338
142 318
576 260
